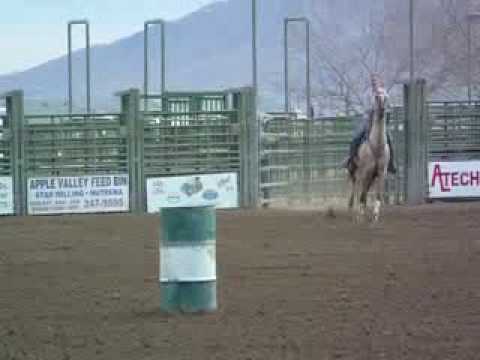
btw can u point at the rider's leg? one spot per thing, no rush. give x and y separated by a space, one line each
354 145
356 142
391 164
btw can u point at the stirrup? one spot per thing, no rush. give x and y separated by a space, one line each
392 169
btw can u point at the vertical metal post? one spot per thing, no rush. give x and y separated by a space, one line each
309 110
254 48
285 64
244 103
70 96
70 65
130 101
240 106
471 17
147 24
411 42
163 70
87 38
253 124
396 141
308 96
307 71
469 61
416 133
15 112
307 129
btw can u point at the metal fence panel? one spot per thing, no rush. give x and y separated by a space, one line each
6 163
196 134
301 159
396 184
69 145
454 130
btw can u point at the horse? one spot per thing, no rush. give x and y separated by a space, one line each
369 165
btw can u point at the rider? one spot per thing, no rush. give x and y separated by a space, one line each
361 136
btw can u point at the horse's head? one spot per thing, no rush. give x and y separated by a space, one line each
379 96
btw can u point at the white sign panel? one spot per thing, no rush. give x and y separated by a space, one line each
454 179
220 190
78 194
6 196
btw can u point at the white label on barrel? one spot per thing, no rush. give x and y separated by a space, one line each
188 263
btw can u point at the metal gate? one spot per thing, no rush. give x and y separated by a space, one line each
454 130
301 158
6 166
72 145
11 185
195 133
186 133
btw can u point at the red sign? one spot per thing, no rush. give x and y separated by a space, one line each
454 179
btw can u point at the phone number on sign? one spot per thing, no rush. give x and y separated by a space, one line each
103 203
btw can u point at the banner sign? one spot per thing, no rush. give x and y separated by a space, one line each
6 195
220 190
454 179
78 194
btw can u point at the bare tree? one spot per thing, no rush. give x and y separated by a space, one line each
348 45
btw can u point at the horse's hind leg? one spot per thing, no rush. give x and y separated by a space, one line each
362 193
379 197
358 199
354 203
363 202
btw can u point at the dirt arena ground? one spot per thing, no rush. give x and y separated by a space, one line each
292 285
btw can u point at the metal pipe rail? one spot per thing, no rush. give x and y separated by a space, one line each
70 65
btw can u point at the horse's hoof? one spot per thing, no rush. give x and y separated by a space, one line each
376 219
359 219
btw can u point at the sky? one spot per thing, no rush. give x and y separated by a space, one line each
34 31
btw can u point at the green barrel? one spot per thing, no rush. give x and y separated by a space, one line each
188 274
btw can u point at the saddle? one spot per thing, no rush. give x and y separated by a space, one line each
358 140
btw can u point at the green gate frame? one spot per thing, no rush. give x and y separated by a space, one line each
42 145
232 111
15 118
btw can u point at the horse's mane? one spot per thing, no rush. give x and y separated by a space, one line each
371 113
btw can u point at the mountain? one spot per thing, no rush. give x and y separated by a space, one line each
211 49
208 49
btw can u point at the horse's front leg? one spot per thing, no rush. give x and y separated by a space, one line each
354 202
360 199
363 201
379 196
351 202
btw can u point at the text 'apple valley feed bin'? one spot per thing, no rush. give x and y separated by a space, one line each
188 276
